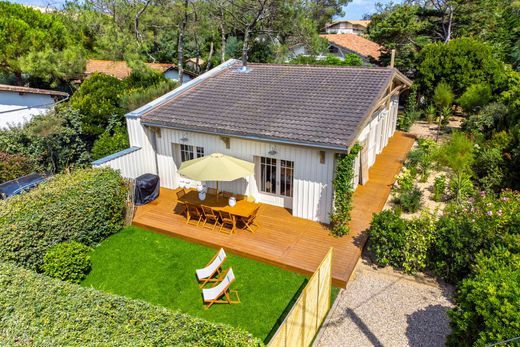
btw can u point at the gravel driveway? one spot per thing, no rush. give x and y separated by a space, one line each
384 308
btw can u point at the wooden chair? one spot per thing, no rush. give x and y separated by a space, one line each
180 193
227 195
210 216
227 219
211 191
220 292
213 267
250 222
241 197
193 215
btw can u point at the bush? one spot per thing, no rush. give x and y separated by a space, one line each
52 141
468 228
409 199
137 98
85 206
15 165
420 160
111 141
475 97
400 243
443 95
41 311
350 60
439 187
67 261
429 113
488 302
97 100
491 119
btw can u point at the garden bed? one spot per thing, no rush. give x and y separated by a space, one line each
161 270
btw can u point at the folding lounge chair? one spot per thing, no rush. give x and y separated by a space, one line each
214 266
220 293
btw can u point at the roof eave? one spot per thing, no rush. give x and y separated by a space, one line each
218 132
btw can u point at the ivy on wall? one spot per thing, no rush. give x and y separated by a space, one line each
343 192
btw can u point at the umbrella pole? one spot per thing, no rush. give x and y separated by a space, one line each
217 190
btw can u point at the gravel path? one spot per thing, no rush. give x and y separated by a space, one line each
385 308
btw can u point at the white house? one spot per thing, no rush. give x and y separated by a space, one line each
342 44
347 26
292 121
18 105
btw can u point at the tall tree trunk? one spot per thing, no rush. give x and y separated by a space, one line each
448 30
180 46
222 43
245 47
136 22
210 56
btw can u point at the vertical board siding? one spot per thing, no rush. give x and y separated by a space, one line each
312 186
129 165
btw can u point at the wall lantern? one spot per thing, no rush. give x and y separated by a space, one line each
273 151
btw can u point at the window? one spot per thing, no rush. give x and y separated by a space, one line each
276 176
286 177
189 152
268 174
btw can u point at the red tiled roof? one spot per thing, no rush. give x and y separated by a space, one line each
120 69
356 44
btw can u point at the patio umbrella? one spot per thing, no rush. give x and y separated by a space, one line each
216 167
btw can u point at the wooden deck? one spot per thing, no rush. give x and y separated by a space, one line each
289 242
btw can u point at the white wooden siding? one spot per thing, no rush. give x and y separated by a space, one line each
312 185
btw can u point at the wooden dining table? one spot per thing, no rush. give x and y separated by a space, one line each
242 209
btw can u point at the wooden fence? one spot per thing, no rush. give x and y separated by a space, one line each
309 311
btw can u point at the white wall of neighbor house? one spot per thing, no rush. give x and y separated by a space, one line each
19 108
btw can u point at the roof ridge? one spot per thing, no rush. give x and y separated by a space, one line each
353 67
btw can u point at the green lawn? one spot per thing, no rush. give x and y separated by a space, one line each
161 270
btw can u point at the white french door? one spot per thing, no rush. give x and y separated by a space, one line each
275 179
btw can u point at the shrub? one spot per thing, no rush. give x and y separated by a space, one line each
53 141
443 95
42 311
97 100
111 141
350 60
85 206
15 165
429 113
490 119
421 159
476 96
67 261
137 98
439 187
467 228
400 243
409 199
488 302
461 187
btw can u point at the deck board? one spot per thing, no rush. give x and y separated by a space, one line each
289 242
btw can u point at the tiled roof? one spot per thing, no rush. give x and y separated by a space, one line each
356 44
27 90
120 69
309 105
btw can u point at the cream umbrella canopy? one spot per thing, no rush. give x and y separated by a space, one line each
216 167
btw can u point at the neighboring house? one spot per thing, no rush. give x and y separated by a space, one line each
120 69
292 121
347 26
195 64
18 105
343 44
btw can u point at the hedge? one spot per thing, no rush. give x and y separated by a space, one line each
38 310
86 206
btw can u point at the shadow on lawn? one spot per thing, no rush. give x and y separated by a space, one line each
286 311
